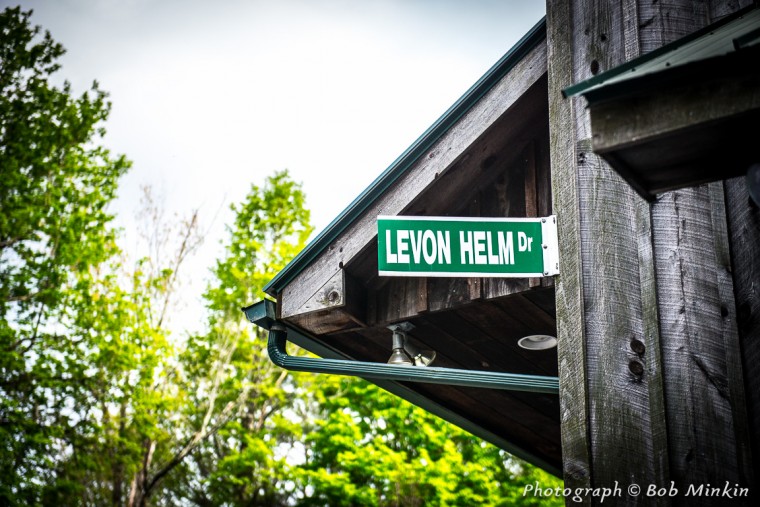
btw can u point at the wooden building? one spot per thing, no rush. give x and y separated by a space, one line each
657 304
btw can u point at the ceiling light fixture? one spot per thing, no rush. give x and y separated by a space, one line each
537 342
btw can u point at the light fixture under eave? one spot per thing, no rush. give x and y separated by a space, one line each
537 342
399 356
405 354
421 357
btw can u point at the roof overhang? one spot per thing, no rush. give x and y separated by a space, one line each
434 135
488 155
684 114
263 315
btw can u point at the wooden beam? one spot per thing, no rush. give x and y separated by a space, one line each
613 424
650 384
665 112
341 292
744 241
707 432
679 136
571 347
421 175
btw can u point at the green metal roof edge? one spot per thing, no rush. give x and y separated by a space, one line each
583 86
526 44
265 310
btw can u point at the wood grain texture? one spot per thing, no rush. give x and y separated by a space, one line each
606 300
658 114
651 320
571 346
707 426
743 217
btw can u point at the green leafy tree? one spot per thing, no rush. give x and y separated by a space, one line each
88 396
142 430
368 447
55 185
238 398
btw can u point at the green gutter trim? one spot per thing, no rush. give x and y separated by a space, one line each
430 375
630 66
529 41
263 315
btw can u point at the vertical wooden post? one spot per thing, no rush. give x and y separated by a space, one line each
647 357
571 347
744 234
706 411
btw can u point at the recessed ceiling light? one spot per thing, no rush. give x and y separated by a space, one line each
537 342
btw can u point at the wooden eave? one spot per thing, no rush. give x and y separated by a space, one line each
491 160
686 114
535 37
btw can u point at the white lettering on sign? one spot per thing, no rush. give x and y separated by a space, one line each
477 247
428 239
506 249
401 238
444 247
524 242
389 255
433 247
465 247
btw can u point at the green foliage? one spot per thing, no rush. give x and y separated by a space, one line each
238 390
370 448
271 227
55 184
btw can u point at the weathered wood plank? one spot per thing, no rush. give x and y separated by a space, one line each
400 298
571 347
544 175
744 240
707 434
721 9
698 385
324 321
445 293
608 364
341 292
422 174
507 197
544 190
730 331
665 113
667 20
531 191
531 180
619 377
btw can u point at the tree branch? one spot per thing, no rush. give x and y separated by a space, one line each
9 242
184 250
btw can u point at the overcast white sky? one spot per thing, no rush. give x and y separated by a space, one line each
212 96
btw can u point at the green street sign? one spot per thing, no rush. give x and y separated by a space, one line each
467 247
